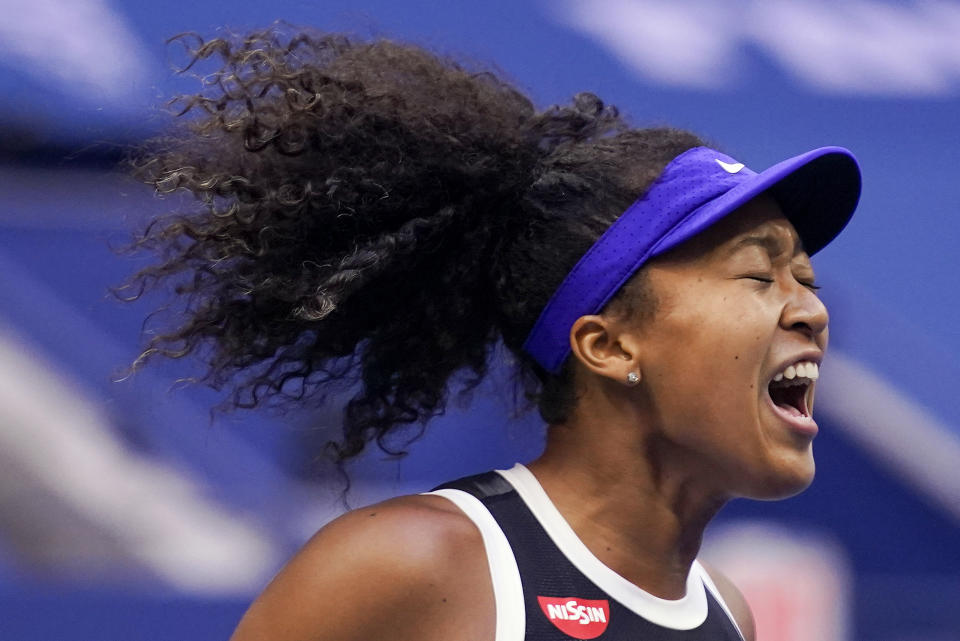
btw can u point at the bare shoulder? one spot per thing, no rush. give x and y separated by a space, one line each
734 600
411 567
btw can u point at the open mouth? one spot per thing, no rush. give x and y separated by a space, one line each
790 389
791 398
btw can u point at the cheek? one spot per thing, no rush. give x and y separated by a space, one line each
707 373
721 350
705 379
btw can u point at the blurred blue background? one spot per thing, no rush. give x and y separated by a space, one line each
127 512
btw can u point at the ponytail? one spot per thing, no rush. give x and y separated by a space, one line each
370 212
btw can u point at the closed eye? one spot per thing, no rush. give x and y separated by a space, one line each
813 287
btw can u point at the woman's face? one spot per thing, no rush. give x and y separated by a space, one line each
737 310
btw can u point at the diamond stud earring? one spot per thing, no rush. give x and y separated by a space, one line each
633 378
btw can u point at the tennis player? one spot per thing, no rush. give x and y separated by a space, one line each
371 213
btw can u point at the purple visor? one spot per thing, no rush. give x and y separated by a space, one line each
817 191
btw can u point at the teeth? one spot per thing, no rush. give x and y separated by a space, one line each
805 369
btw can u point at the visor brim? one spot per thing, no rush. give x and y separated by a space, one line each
818 192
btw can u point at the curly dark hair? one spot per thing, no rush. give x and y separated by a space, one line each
373 213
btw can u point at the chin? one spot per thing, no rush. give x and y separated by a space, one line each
784 482
784 490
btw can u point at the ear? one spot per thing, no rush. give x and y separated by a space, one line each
606 347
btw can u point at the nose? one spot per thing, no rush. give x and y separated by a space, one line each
805 312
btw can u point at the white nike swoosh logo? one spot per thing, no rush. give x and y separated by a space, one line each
730 168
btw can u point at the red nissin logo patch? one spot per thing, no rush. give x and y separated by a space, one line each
579 618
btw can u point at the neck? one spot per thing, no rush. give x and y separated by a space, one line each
629 496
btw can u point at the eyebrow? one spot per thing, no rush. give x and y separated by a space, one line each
768 242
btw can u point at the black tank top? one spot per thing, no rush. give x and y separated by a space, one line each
559 581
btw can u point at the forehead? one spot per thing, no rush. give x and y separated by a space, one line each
759 223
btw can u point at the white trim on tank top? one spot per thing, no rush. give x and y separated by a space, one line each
507 589
680 614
